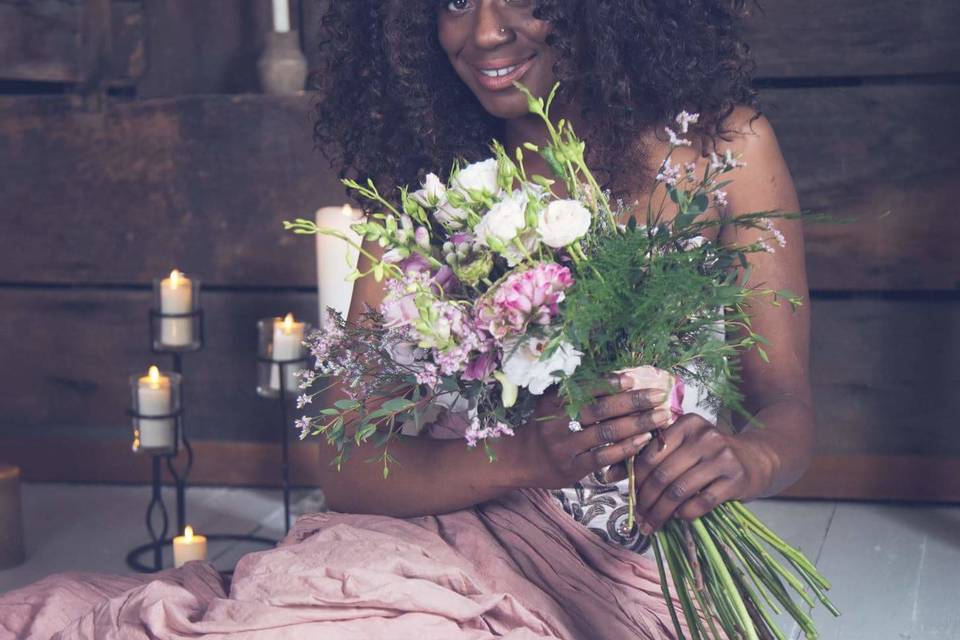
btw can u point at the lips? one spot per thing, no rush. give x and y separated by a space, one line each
499 75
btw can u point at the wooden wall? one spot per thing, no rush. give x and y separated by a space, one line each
151 148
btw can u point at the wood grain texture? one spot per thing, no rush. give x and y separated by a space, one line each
68 355
205 181
49 41
886 157
204 52
884 372
863 38
885 376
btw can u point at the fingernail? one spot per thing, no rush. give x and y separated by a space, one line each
642 439
625 382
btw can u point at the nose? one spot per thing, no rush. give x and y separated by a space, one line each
489 31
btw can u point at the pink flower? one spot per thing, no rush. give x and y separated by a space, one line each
530 296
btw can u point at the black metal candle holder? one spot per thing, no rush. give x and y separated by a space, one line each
157 508
283 395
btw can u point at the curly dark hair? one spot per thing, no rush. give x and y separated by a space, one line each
391 105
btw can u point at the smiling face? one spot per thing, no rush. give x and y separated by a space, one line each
494 43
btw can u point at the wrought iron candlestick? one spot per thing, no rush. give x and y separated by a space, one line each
280 354
176 327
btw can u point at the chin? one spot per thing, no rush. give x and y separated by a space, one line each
512 104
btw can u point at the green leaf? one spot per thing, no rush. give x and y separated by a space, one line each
396 405
763 354
346 405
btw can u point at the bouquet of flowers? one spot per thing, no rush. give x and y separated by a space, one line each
498 289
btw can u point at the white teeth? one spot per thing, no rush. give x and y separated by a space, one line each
498 73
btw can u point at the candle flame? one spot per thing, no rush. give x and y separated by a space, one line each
175 278
188 533
154 375
288 323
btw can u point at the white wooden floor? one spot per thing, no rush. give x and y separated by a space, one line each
895 568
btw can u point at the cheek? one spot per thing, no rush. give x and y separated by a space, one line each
450 36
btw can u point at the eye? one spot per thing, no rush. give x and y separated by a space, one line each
458 6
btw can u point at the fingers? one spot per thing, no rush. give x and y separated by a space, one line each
708 498
594 459
618 429
665 494
622 404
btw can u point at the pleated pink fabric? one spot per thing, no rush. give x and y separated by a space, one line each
516 568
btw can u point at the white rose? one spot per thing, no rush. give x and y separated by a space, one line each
563 222
523 367
479 176
433 192
503 222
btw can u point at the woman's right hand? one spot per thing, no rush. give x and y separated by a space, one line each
615 427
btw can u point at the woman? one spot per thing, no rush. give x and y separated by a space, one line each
408 88
452 546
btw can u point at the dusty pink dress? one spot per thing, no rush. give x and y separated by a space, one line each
518 567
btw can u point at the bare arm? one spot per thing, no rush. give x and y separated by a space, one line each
439 476
701 466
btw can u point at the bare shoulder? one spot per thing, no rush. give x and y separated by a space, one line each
764 182
749 134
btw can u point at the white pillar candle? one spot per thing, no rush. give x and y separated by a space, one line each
281 16
189 547
287 345
155 398
336 259
176 296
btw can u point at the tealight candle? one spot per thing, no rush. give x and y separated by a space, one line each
176 296
336 259
189 547
155 398
287 345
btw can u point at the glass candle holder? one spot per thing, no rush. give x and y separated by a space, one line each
280 355
155 411
176 321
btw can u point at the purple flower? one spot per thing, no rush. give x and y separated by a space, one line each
416 263
481 367
530 296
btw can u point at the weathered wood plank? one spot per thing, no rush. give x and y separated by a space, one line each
885 375
69 353
881 385
887 157
879 37
204 182
44 40
202 52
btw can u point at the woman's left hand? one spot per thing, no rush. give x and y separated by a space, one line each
699 468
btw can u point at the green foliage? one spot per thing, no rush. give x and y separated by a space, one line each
641 300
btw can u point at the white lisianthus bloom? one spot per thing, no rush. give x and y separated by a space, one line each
503 221
433 192
523 366
450 216
479 176
563 222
